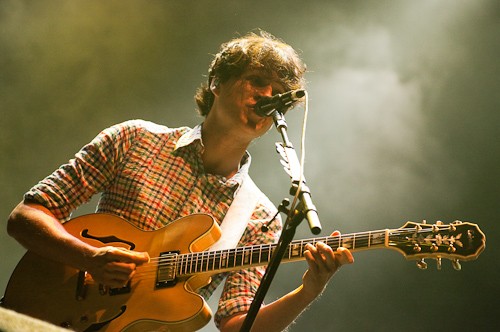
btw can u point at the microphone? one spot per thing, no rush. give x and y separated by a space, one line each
267 105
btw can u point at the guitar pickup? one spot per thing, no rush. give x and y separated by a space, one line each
81 286
166 275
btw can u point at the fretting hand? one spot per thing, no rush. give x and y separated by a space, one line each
323 262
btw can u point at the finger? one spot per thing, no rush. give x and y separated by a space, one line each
335 233
308 254
120 267
327 256
114 278
319 253
344 256
141 257
128 256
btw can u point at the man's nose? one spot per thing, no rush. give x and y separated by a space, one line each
265 90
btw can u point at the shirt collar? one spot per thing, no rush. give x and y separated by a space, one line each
189 137
194 134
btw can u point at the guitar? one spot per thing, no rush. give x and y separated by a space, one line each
161 295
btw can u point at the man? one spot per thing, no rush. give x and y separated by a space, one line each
151 175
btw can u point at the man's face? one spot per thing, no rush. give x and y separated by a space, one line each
237 98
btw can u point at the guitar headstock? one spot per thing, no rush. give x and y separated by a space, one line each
456 241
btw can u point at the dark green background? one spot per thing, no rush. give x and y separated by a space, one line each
403 125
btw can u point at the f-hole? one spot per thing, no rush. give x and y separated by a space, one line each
98 326
107 239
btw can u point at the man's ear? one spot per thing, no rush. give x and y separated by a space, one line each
214 86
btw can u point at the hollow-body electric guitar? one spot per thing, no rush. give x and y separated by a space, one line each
161 295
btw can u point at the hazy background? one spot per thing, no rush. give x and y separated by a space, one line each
403 125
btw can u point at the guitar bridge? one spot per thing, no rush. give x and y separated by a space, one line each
121 290
166 275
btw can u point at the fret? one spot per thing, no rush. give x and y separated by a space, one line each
177 264
261 256
245 258
223 259
336 242
199 262
202 261
213 261
183 264
238 261
256 255
251 255
193 263
186 264
347 242
378 238
180 264
229 257
295 250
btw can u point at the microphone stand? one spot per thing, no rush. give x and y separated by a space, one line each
305 208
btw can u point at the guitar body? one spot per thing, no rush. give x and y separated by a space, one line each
67 297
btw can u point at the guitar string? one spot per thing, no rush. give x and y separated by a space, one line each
197 262
357 238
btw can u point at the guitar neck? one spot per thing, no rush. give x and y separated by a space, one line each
260 255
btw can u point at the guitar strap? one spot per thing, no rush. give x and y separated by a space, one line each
238 215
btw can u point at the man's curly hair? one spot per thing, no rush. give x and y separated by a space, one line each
252 51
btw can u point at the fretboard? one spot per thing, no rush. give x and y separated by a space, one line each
260 255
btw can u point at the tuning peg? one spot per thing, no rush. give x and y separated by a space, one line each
438 263
456 264
422 265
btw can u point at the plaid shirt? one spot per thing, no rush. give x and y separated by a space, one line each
152 175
